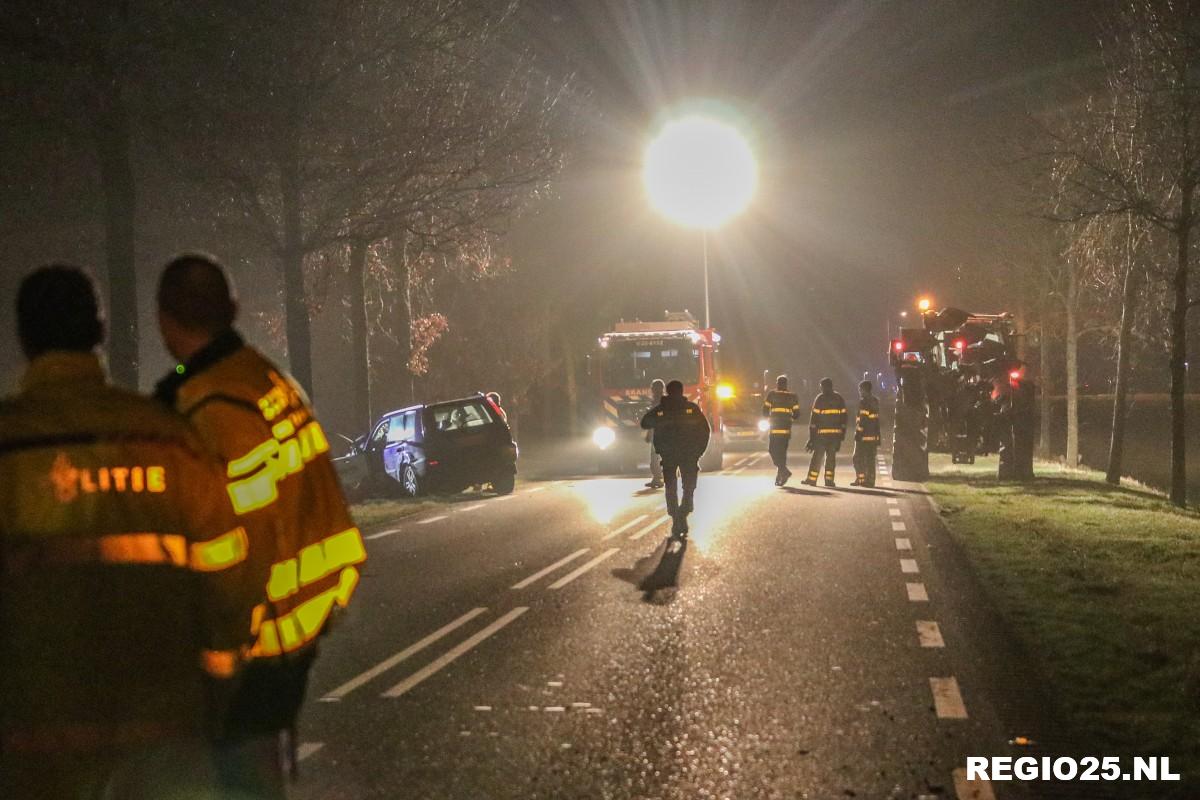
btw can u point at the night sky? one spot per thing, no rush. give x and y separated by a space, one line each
882 131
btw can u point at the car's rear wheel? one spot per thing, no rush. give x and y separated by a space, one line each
410 481
504 484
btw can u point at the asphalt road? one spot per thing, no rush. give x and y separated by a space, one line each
805 643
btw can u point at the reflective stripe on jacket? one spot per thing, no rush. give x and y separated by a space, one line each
121 559
782 408
304 547
866 428
828 417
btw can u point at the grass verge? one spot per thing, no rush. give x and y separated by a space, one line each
1102 583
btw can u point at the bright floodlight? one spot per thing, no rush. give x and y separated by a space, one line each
699 172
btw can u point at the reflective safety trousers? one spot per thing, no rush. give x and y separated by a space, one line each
304 547
781 408
120 561
828 417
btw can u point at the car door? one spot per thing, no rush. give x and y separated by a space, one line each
376 450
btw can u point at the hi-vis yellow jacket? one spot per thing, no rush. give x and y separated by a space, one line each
304 547
119 562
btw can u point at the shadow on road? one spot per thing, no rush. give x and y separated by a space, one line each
867 490
657 575
814 492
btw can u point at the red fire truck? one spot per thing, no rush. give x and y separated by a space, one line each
631 356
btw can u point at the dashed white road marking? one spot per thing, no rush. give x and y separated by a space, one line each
741 461
541 573
971 790
909 565
893 512
929 634
307 749
899 526
535 489
570 576
903 544
408 652
891 501
649 528
483 708
459 650
624 527
382 534
917 593
503 497
947 699
472 507
438 518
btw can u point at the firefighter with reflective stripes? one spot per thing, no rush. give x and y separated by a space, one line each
120 621
866 436
826 430
304 547
781 407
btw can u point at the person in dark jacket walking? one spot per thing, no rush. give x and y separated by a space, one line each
782 408
866 436
826 430
680 438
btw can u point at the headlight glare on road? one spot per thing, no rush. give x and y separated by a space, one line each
603 437
764 425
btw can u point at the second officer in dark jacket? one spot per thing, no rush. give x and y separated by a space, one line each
680 438
826 430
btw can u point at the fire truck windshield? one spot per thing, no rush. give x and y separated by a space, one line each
633 365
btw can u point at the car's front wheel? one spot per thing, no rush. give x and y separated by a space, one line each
410 481
504 484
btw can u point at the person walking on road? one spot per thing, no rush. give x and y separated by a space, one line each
826 430
120 621
782 408
657 388
866 436
304 547
680 438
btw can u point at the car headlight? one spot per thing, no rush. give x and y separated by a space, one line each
603 437
764 425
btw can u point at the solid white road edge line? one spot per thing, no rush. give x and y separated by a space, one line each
624 527
541 573
947 700
971 790
472 507
649 528
408 652
929 634
564 580
306 749
447 658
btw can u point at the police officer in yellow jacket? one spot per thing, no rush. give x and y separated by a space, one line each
120 624
866 436
781 408
304 547
826 430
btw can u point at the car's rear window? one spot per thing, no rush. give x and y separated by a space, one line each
460 416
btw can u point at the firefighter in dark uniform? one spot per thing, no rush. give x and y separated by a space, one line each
781 408
304 547
866 436
120 622
680 438
826 430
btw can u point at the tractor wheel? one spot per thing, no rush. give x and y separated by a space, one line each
910 443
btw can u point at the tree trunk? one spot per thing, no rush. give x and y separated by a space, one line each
1044 447
111 131
359 336
571 379
295 297
1116 447
1072 353
1179 353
